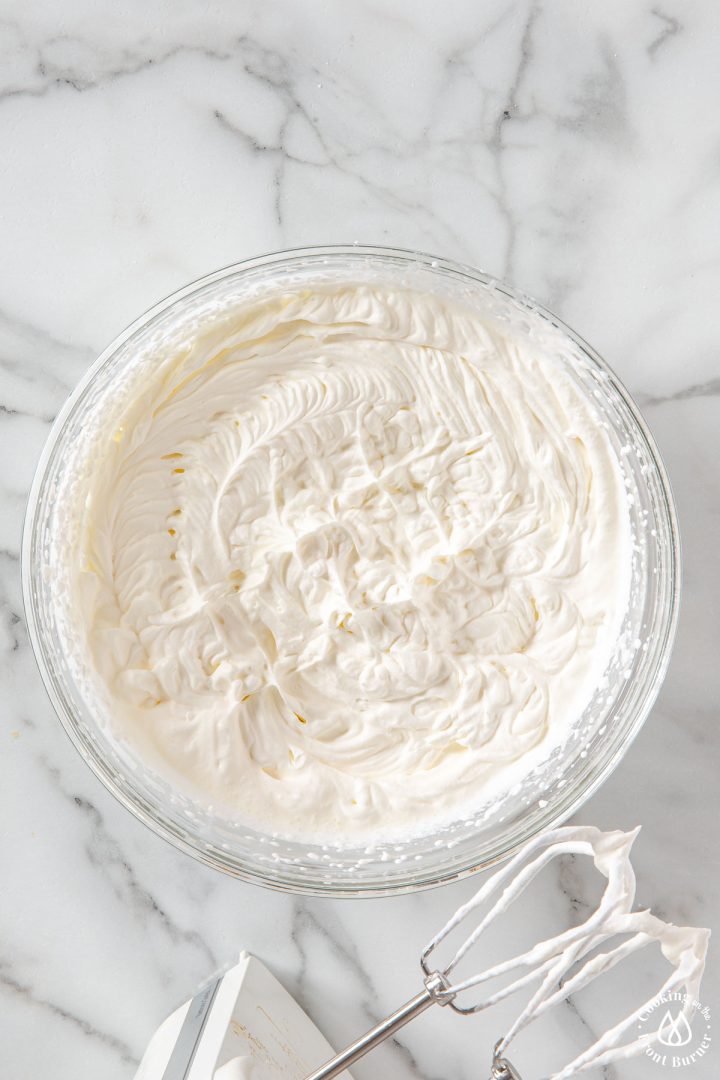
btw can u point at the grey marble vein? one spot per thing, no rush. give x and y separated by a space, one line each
105 855
670 27
306 929
12 986
508 115
589 1035
709 389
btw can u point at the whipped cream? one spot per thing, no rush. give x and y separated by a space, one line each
353 557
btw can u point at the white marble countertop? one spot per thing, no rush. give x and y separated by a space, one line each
572 148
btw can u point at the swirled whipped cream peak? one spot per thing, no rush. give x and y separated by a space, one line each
351 559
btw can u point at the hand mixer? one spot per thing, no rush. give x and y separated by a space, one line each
562 965
244 1024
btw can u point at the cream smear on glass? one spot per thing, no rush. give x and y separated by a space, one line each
353 559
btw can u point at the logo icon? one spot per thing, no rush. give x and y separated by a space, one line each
683 1034
674 1030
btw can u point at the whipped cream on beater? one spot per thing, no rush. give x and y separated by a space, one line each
354 556
561 966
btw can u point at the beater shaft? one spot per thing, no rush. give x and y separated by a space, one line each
422 1001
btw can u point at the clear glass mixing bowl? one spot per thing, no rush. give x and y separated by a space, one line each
553 790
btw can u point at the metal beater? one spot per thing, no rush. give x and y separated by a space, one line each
562 964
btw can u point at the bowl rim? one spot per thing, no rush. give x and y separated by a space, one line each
165 828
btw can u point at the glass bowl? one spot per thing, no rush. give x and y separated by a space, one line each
553 790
